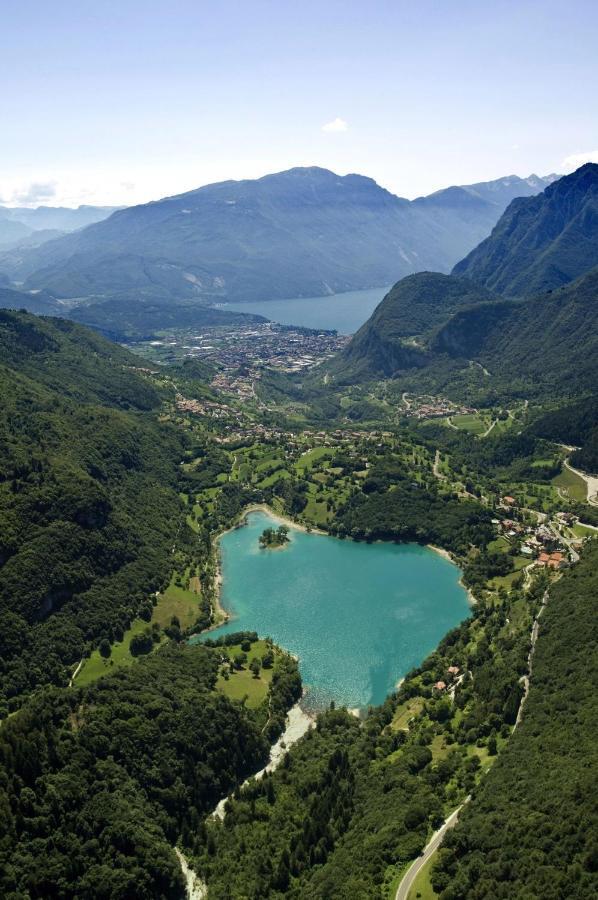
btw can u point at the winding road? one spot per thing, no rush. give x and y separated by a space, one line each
435 841
430 848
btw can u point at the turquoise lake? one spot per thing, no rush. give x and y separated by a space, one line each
357 615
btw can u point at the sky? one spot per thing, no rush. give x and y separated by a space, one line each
118 103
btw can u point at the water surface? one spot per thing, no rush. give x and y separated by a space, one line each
357 615
344 312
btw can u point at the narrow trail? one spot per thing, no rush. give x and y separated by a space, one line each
530 657
436 468
75 673
490 427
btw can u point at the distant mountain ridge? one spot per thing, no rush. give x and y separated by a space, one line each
304 232
18 225
542 242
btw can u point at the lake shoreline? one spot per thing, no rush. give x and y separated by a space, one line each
218 609
228 616
448 556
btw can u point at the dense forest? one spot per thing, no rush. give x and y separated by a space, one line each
88 498
97 784
575 424
531 829
390 506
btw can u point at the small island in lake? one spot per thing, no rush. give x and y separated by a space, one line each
274 538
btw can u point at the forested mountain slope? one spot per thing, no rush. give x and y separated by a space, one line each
551 338
39 302
575 424
530 832
546 344
303 232
88 497
97 785
541 242
414 306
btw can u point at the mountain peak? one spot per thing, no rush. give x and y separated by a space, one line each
541 242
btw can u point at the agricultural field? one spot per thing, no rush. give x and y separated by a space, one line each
474 423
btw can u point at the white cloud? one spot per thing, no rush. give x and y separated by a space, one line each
335 126
34 193
570 163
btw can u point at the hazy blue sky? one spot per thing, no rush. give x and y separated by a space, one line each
122 101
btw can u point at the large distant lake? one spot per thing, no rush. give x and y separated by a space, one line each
344 312
357 615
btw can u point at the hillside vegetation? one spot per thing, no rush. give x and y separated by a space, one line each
97 785
530 831
550 341
541 242
414 307
88 491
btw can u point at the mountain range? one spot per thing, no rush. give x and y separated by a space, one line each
18 224
303 232
541 242
545 248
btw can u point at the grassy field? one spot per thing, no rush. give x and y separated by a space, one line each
499 545
583 531
316 511
406 711
242 684
175 601
506 581
439 748
273 478
309 459
96 666
470 422
571 484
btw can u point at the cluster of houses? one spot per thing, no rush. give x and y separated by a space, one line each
207 408
239 386
539 542
554 560
434 408
452 673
